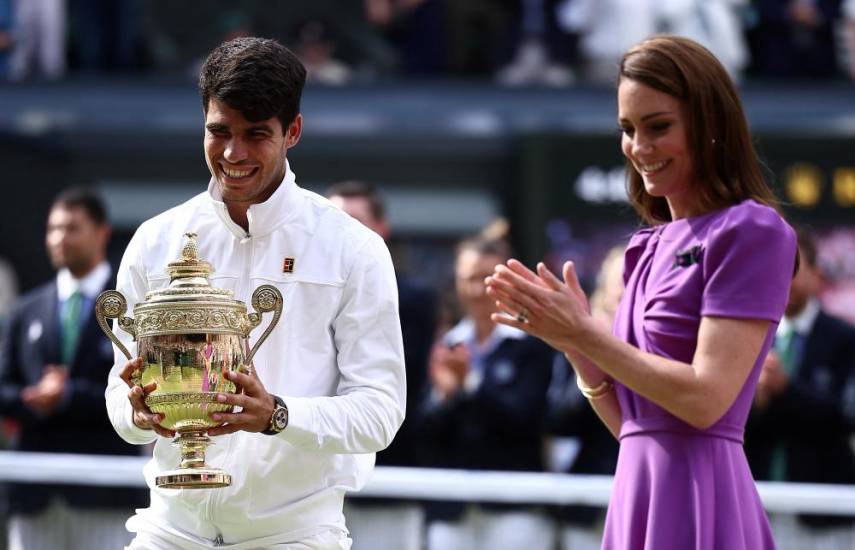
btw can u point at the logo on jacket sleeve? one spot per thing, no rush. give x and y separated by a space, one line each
288 265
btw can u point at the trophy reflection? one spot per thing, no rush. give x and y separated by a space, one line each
189 335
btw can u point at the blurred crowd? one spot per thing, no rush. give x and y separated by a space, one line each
513 42
481 396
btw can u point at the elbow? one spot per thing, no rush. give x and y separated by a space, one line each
705 416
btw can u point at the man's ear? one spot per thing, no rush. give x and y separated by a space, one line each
294 131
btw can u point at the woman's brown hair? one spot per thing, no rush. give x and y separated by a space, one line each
725 163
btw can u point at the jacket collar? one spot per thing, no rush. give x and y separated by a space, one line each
89 285
263 217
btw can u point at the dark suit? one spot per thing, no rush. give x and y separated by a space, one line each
499 425
813 419
571 415
79 424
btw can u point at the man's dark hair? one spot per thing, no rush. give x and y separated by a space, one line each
360 190
87 199
259 77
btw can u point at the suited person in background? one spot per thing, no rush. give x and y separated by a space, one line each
804 408
54 363
486 412
386 524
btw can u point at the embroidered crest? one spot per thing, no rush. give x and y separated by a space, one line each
288 265
690 256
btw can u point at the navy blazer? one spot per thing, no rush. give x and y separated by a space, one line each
499 425
79 424
814 418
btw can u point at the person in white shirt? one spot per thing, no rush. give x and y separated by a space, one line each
335 360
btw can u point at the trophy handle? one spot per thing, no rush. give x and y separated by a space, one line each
112 305
265 298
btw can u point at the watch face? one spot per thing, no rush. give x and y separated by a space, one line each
280 419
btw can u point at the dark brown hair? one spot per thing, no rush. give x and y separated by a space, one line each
354 189
87 199
259 77
725 163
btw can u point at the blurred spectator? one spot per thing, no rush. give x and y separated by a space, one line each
416 28
571 416
39 35
53 366
8 289
607 28
6 40
796 38
386 524
538 56
804 408
315 46
849 36
486 412
106 34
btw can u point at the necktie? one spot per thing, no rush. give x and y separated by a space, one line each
70 325
787 347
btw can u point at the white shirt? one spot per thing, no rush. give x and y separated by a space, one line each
803 322
90 285
336 357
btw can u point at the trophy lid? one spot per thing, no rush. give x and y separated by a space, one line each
188 279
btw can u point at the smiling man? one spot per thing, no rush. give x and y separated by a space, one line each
328 387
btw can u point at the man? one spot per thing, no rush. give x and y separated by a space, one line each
486 412
386 524
53 368
804 409
333 368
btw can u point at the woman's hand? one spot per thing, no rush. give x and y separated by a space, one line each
540 304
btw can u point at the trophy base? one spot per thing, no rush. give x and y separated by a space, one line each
194 478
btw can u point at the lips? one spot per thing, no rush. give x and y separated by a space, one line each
653 168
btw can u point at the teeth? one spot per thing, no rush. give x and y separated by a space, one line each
236 173
654 167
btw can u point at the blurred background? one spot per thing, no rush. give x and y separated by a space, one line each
460 113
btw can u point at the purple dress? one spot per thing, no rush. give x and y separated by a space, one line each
678 487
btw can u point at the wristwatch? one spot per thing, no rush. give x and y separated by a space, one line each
279 419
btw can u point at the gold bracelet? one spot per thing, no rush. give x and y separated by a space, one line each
600 391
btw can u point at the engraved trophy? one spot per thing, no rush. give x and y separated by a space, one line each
189 335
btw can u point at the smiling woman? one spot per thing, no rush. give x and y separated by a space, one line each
706 285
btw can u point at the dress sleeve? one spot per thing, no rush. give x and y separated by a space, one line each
633 252
748 264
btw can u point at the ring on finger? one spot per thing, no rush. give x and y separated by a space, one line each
522 316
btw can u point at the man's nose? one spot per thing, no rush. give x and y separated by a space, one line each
235 150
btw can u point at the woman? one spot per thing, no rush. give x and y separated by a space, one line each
706 284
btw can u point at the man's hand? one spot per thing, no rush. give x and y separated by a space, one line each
448 368
257 405
143 417
772 382
43 396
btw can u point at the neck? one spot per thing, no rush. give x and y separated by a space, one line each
483 329
237 212
80 271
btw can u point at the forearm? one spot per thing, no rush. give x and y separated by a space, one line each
588 374
359 422
673 385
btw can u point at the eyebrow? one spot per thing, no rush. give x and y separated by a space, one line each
648 116
220 127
